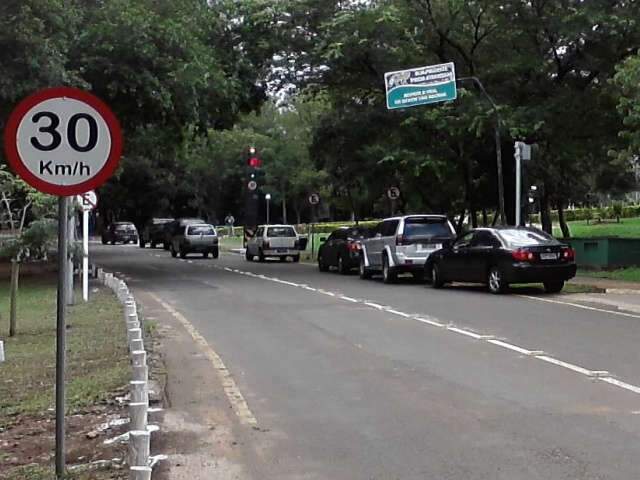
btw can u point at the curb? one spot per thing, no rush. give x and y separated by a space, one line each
139 435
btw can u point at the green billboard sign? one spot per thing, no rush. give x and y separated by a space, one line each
420 86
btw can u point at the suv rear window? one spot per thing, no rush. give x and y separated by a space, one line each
527 238
281 232
427 227
125 227
201 230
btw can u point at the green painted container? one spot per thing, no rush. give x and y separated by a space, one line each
606 252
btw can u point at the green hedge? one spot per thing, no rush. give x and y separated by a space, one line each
584 214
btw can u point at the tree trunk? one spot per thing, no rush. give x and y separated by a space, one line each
545 214
566 233
496 215
13 315
484 217
468 184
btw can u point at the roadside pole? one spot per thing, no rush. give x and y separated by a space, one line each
518 159
63 252
71 235
314 200
85 255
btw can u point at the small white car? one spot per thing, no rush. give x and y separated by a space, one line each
277 241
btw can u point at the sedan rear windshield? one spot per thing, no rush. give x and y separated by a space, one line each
125 228
427 227
201 230
527 238
281 232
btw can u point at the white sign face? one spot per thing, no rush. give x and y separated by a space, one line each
393 193
314 199
88 201
252 185
63 141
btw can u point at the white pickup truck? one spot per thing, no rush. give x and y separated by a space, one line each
277 241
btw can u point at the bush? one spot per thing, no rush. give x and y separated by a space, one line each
617 210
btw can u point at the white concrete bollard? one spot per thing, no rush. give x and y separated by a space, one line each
136 345
134 334
140 373
140 473
1 351
139 444
139 392
130 308
138 413
138 358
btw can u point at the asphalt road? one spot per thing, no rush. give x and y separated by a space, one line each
351 379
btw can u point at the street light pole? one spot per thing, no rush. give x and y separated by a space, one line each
267 198
498 142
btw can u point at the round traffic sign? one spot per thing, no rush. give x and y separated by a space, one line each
63 141
314 199
88 200
252 185
393 193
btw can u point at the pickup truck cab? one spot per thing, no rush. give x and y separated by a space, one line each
195 238
277 241
403 245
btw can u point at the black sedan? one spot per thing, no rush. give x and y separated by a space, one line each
501 256
123 232
341 249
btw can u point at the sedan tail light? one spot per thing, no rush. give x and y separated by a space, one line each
569 254
353 247
522 255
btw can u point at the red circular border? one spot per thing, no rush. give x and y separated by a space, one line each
11 144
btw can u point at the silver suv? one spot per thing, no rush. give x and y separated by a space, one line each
279 241
403 245
195 238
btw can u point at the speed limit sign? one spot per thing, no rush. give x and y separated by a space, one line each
63 141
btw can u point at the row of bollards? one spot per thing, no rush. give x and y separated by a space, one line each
139 433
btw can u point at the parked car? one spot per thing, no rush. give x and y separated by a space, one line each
153 232
278 241
403 244
504 255
120 232
175 227
195 238
341 249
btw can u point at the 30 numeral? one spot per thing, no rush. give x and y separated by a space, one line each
72 132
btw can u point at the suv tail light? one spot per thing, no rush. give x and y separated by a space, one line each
522 255
400 240
569 254
353 247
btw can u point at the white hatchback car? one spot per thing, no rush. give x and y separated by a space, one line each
278 241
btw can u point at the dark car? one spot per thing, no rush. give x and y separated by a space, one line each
153 232
120 232
342 249
501 256
176 227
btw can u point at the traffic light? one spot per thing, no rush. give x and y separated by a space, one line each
253 159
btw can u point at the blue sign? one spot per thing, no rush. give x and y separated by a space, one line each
421 86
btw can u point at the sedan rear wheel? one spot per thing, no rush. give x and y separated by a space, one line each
323 267
247 256
174 254
342 268
553 287
436 276
495 281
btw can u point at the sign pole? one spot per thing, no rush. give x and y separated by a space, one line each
61 333
518 159
85 255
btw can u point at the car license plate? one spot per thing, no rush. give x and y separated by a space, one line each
548 256
428 248
281 250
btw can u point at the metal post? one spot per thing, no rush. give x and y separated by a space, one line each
518 185
85 255
60 333
71 235
268 211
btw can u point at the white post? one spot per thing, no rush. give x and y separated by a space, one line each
85 255
138 391
137 345
1 351
518 158
138 415
140 473
139 441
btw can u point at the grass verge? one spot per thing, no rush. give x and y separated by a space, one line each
629 274
96 351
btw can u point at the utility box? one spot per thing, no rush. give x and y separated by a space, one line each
606 252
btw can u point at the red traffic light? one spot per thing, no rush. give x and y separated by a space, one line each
255 162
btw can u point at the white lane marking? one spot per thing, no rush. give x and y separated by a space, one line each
538 354
231 390
510 346
562 364
584 307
